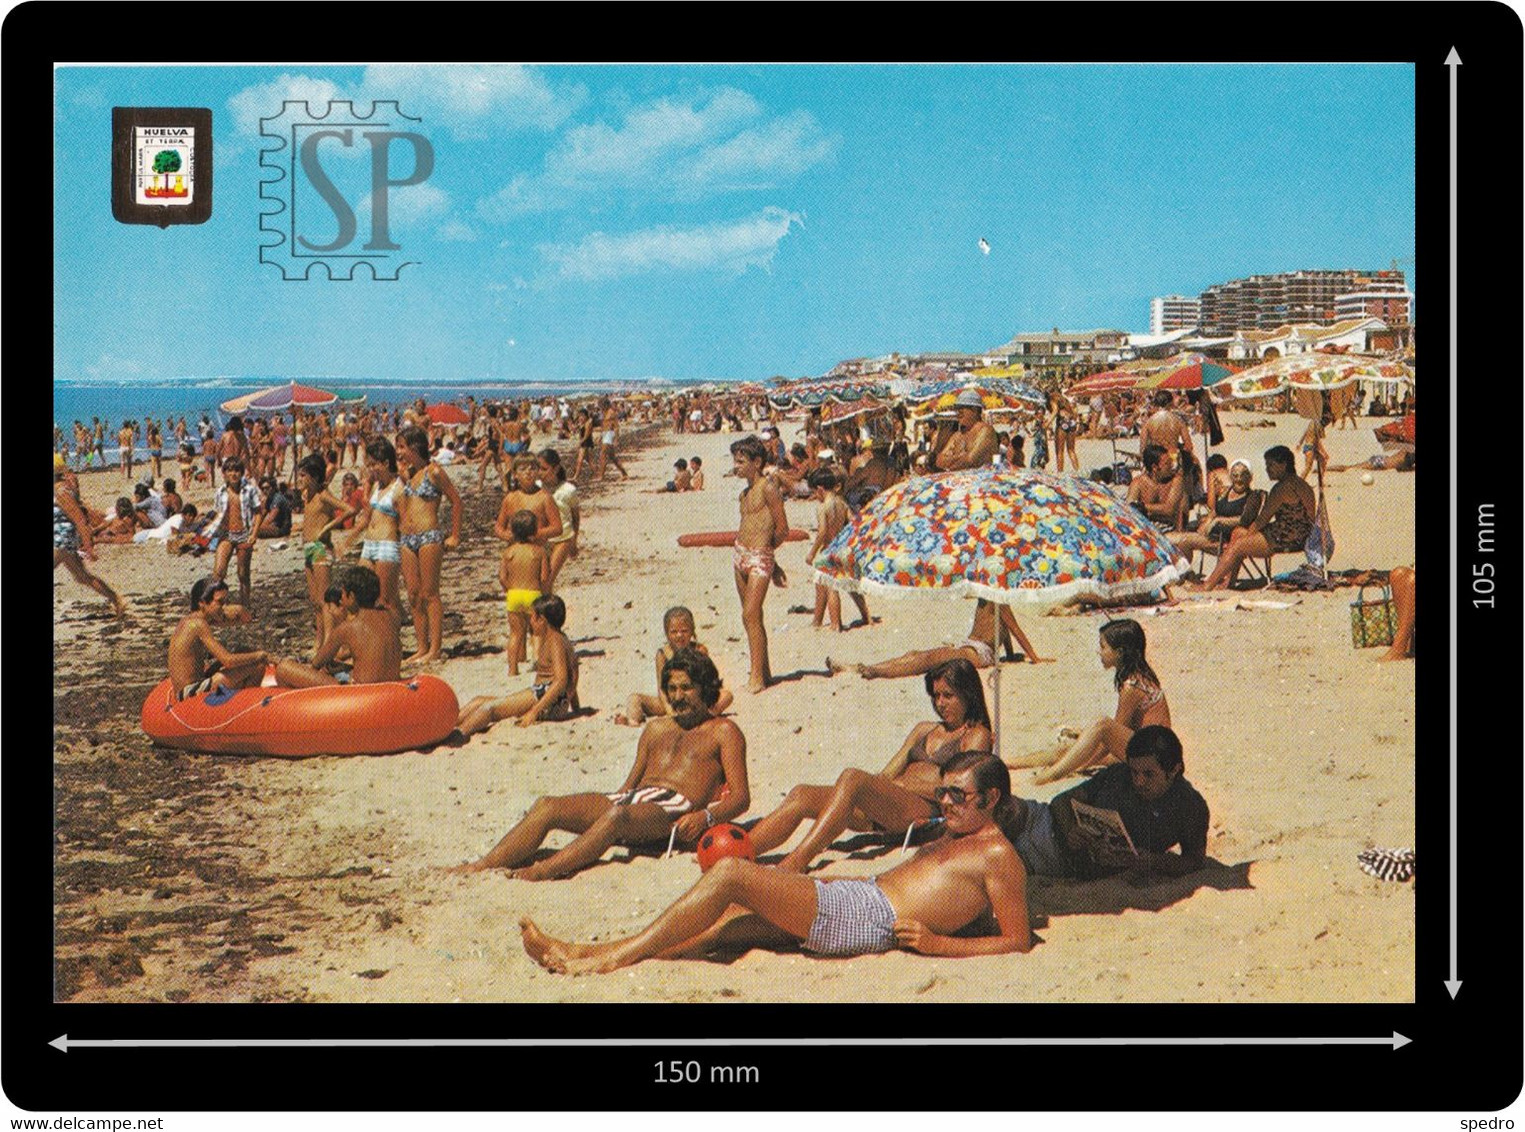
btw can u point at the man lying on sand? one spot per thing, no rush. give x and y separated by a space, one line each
681 760
948 885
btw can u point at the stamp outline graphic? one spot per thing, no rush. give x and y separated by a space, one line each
281 158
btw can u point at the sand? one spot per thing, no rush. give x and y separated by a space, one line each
188 878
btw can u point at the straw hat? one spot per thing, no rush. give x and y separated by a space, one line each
968 399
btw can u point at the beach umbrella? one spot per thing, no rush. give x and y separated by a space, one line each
1018 536
280 398
444 413
834 412
1197 375
997 392
1111 381
1317 372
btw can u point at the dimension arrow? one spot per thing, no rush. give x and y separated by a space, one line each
1453 984
65 1043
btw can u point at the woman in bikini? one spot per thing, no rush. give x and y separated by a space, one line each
977 648
1140 703
423 543
1282 527
903 792
321 513
584 444
1066 425
377 521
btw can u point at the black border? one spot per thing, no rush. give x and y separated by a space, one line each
1465 1054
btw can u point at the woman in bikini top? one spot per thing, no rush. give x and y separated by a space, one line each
423 543
900 795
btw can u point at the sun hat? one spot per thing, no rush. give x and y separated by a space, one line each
968 399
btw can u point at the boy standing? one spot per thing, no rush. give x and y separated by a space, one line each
764 526
238 504
831 517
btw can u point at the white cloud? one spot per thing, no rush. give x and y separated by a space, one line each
265 100
109 365
669 149
785 147
473 99
730 246
650 133
455 230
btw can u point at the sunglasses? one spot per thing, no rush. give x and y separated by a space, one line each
955 794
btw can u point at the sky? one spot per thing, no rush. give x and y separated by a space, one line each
708 222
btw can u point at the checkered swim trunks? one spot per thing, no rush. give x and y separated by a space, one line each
852 917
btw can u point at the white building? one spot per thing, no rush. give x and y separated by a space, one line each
1174 312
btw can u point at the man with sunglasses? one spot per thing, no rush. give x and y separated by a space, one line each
970 872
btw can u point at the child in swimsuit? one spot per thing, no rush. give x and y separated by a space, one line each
1140 702
524 572
678 625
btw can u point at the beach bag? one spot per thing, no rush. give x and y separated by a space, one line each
1373 623
1319 548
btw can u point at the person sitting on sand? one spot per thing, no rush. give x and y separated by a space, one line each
1157 806
198 662
1282 527
971 873
122 525
1228 507
976 648
678 625
903 792
1160 493
831 517
171 499
552 696
696 473
370 634
524 572
681 761
682 479
277 508
1140 702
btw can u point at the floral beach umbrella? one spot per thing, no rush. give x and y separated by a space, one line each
1018 536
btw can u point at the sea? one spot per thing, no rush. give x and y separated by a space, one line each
191 397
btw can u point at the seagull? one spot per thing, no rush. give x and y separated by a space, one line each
984 245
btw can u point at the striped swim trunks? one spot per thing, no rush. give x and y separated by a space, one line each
669 800
852 917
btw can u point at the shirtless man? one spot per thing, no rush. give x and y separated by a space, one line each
369 635
197 660
680 762
974 443
970 872
1164 427
764 526
240 510
1161 491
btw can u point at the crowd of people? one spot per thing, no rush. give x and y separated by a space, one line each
373 539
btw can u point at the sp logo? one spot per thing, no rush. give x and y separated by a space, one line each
331 165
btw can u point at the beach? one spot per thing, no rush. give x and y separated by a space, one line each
183 877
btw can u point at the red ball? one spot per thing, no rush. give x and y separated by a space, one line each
724 841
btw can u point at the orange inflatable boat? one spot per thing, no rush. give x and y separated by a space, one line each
363 719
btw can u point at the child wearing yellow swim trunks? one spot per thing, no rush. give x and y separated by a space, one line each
524 572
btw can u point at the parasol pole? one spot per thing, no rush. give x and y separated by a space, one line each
995 714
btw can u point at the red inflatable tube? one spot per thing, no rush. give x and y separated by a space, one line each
360 719
728 538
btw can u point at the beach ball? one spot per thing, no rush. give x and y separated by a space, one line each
724 841
1368 479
